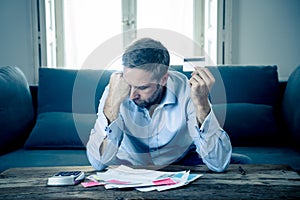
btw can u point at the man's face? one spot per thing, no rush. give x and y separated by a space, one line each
144 89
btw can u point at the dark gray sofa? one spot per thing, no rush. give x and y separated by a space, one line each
50 123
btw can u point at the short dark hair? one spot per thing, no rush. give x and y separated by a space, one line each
149 55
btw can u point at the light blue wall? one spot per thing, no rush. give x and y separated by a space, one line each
16 41
267 32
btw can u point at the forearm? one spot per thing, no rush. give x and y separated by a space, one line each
202 111
98 144
213 144
111 109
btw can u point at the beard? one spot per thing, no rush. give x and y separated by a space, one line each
154 99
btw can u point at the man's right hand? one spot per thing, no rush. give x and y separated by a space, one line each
118 91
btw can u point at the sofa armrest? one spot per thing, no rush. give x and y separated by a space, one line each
291 105
16 110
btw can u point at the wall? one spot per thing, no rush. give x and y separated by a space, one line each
267 32
16 40
264 32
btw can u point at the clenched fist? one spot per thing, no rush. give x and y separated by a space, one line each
118 91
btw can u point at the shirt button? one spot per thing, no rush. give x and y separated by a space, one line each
107 129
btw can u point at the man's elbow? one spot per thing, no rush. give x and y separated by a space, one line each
96 164
218 165
220 168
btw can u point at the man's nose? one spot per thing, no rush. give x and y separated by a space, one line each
134 93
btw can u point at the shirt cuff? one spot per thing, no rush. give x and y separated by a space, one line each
114 130
210 124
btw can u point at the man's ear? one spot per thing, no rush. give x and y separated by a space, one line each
164 79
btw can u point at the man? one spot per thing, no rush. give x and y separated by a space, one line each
149 115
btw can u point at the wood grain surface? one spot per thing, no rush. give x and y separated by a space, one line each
237 182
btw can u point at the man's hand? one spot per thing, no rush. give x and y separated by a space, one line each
201 82
118 91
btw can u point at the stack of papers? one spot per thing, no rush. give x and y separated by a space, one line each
141 179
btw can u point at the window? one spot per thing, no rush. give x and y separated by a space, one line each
87 24
174 15
81 26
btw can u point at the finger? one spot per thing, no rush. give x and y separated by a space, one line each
196 70
198 79
192 82
201 76
208 73
205 74
117 78
120 74
116 75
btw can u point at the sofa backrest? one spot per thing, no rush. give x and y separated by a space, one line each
65 90
243 98
244 84
79 90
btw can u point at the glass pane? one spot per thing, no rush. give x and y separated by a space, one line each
87 24
174 15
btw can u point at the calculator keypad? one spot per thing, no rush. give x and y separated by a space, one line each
71 173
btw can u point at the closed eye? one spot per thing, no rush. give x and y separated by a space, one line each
142 87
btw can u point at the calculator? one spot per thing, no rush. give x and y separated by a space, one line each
66 178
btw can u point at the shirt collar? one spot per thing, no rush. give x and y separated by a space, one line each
170 97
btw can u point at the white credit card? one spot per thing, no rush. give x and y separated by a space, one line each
190 63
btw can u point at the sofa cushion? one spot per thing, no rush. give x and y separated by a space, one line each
248 124
61 130
67 105
16 109
43 158
291 105
272 155
244 84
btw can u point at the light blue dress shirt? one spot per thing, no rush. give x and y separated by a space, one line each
135 138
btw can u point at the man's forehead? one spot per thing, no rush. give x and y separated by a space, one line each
137 77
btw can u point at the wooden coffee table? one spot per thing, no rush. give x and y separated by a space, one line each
250 182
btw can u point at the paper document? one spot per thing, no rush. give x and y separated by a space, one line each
142 179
